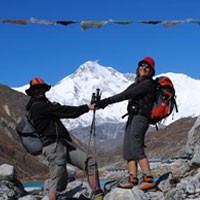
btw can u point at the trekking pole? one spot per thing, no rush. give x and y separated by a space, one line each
95 98
94 148
92 124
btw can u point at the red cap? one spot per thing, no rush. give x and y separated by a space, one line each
150 61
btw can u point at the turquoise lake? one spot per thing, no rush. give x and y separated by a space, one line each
41 184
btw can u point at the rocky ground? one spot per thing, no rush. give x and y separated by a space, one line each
163 144
183 182
176 139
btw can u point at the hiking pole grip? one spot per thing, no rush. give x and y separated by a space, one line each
93 98
98 96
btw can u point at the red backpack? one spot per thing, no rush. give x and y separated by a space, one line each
165 100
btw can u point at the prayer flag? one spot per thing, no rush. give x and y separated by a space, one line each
170 24
92 24
46 22
66 23
23 22
150 21
193 21
120 22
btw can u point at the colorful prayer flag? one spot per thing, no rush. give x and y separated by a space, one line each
120 22
170 24
23 22
66 23
46 22
92 24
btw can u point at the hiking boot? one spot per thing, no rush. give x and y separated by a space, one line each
132 181
99 196
148 184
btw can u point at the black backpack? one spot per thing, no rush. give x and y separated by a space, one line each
30 138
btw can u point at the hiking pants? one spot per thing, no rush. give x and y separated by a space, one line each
58 155
136 128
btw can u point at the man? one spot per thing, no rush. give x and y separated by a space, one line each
59 148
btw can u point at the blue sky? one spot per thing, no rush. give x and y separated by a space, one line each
53 52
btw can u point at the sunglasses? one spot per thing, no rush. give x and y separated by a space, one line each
145 65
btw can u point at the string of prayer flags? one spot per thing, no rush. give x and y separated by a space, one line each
98 24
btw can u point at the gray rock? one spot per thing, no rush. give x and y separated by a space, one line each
184 184
133 194
7 172
193 137
28 197
10 186
165 185
120 194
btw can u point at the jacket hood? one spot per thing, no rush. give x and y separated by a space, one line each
34 100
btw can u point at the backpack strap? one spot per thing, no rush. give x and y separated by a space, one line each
28 115
157 127
175 104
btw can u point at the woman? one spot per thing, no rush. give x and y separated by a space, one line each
141 96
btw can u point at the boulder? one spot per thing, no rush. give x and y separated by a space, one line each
10 186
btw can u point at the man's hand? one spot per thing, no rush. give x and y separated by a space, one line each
91 106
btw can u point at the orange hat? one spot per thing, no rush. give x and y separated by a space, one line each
37 83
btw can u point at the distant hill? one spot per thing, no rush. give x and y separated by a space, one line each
11 152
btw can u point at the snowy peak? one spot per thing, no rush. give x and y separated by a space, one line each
89 67
87 78
77 88
96 71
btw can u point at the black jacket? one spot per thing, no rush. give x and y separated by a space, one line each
141 95
46 118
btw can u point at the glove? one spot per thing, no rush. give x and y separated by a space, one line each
102 103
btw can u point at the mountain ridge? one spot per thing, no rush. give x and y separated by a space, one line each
77 88
164 143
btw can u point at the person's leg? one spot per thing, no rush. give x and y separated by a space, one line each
144 165
56 157
139 127
148 183
132 180
131 164
134 146
52 196
78 158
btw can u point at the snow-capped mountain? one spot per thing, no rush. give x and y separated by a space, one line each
77 89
